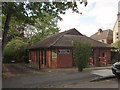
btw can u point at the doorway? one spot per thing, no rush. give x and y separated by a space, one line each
43 61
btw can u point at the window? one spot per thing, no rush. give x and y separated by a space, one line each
117 33
118 23
64 51
116 37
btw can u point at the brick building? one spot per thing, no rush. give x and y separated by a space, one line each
56 51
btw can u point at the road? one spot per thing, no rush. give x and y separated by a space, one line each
27 78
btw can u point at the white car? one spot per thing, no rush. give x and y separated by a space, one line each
116 69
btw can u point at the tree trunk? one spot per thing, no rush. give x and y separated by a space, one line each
6 29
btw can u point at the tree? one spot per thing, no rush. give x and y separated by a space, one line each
81 54
44 29
117 55
116 44
27 12
40 30
15 50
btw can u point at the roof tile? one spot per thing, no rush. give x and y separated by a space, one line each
66 39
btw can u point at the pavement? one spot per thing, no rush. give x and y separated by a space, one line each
21 68
74 69
25 68
103 73
57 78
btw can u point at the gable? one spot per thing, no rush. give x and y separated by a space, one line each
105 34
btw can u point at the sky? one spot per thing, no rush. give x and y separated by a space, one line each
97 14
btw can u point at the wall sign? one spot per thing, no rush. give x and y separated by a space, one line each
64 51
54 54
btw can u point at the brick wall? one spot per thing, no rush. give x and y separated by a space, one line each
54 63
65 60
103 55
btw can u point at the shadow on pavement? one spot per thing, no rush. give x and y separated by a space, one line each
103 78
119 83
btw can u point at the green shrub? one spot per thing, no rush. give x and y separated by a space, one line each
15 50
81 54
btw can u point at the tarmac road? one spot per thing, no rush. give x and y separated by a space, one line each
60 79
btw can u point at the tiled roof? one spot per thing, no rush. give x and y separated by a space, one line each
66 39
105 34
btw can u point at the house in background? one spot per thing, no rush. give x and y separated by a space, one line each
104 36
116 30
57 51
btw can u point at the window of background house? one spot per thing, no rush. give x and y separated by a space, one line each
54 54
117 33
118 23
103 54
116 37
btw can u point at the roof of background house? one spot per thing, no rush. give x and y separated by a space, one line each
66 39
104 34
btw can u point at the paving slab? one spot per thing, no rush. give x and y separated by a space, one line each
103 72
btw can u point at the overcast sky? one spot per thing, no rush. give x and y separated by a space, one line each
97 14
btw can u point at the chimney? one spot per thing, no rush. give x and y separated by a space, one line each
99 31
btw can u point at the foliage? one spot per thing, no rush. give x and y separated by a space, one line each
116 44
41 29
16 16
28 12
81 54
15 50
44 29
117 53
15 28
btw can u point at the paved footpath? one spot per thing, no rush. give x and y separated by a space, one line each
57 78
103 73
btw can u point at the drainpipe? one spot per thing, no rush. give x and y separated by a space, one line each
51 60
93 56
99 58
39 59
